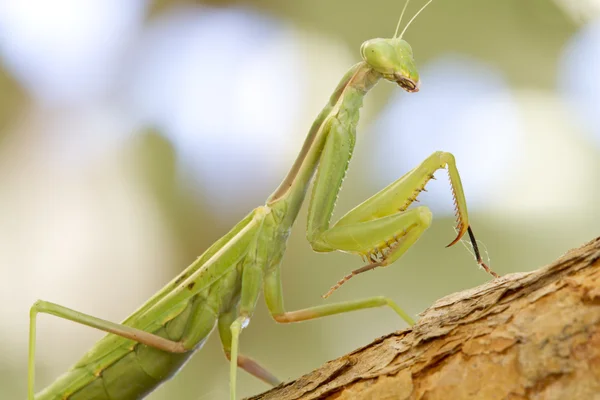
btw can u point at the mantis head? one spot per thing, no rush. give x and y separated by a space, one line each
393 59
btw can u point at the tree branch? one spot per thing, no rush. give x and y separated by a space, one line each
521 336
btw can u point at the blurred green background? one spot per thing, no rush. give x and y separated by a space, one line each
134 134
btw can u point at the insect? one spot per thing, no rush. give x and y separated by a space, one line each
222 286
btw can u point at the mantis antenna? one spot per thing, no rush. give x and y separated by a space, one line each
400 19
413 18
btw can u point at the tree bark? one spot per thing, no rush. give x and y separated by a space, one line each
533 335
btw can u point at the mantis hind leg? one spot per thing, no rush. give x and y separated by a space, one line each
125 331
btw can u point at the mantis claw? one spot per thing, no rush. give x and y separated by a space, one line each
461 233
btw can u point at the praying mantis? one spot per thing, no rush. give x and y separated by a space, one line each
222 286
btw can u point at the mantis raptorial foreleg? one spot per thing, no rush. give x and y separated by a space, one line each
381 229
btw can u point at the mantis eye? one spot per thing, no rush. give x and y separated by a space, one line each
380 55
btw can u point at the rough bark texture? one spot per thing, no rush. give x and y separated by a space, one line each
533 335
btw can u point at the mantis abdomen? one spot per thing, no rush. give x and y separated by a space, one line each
134 370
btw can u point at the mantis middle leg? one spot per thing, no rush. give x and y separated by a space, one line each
244 362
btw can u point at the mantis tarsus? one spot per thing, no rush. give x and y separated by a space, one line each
222 286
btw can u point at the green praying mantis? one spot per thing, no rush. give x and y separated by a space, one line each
222 286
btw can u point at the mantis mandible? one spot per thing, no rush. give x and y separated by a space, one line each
222 286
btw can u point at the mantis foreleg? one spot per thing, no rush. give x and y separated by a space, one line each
381 229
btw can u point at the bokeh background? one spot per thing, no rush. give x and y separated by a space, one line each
135 133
